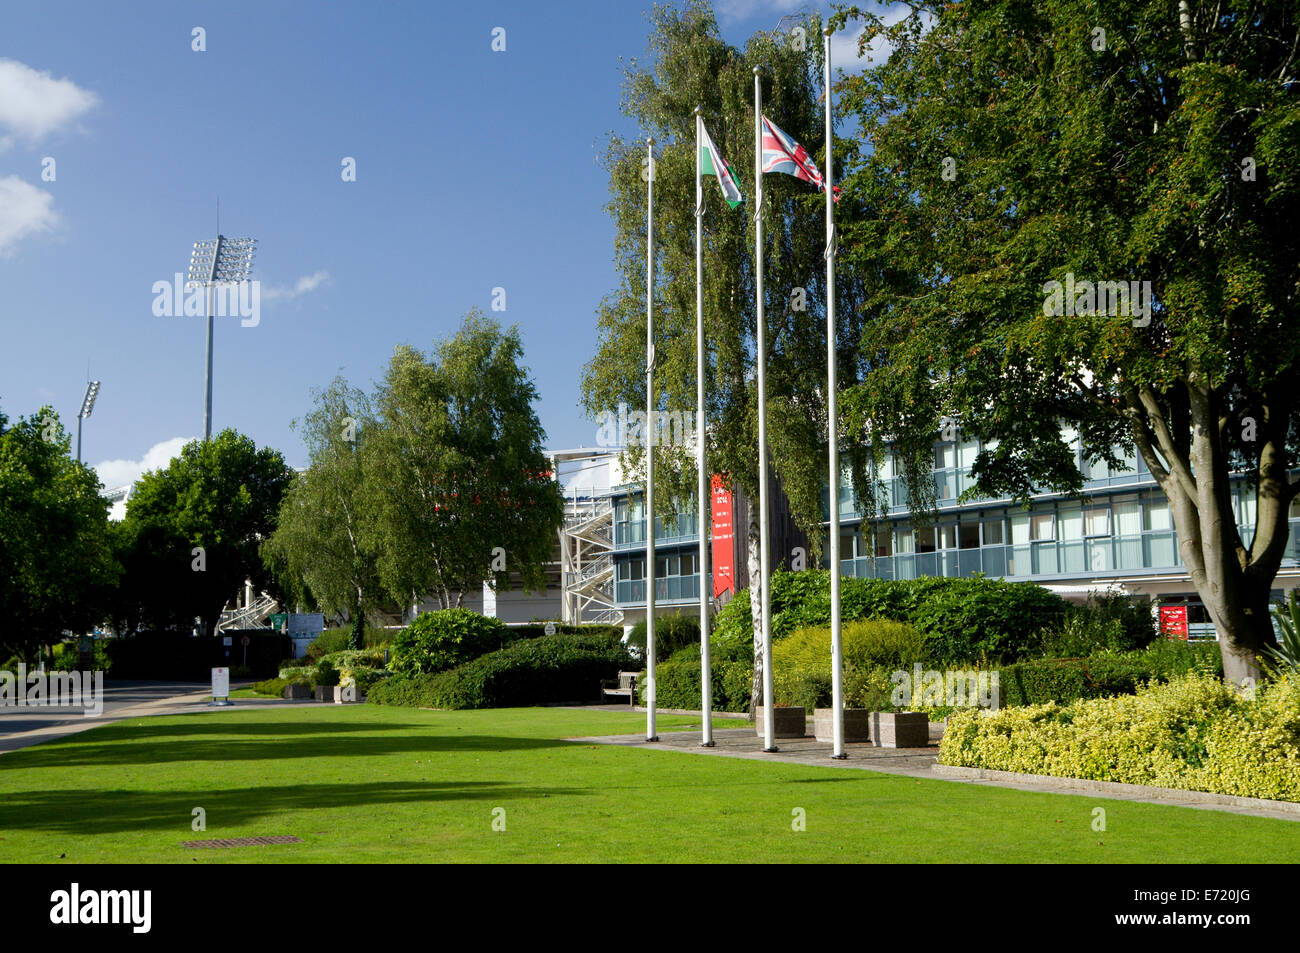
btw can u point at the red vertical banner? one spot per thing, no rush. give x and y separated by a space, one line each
724 577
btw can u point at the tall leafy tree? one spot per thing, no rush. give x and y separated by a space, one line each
459 485
55 550
194 528
690 65
1011 146
321 549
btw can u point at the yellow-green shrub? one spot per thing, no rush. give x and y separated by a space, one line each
1192 733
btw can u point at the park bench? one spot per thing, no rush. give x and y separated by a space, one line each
624 685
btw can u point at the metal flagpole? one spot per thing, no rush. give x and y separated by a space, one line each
832 430
769 717
650 433
706 672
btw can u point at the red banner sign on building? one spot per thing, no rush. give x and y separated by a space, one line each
1173 622
724 577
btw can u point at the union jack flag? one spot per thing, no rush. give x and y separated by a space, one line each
783 154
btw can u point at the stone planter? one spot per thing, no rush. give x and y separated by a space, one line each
857 724
297 691
900 729
326 693
786 722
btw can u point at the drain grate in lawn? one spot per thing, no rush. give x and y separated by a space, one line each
244 841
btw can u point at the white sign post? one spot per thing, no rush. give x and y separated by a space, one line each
221 686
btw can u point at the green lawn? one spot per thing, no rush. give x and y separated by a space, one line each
365 783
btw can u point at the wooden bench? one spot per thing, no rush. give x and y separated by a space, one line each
625 685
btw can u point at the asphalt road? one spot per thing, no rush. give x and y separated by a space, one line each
20 727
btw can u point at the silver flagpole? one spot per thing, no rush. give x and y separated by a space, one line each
706 673
769 717
832 430
651 434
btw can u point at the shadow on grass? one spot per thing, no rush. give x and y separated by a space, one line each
92 812
124 748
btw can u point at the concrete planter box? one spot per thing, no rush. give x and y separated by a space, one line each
297 691
786 722
857 724
330 694
900 729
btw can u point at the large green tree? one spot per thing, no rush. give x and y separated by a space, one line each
459 486
1012 145
691 65
55 549
320 549
193 529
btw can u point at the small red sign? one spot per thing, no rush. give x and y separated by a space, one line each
1173 622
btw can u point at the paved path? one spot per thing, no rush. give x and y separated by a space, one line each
916 763
22 727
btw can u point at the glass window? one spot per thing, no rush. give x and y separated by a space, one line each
903 540
925 540
1096 521
1020 528
690 563
948 536
945 456
1128 516
994 532
966 453
970 534
1071 521
884 540
1156 515
1041 527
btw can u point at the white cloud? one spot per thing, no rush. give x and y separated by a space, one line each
33 104
24 210
304 285
119 473
732 11
844 45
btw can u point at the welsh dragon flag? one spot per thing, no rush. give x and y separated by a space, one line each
783 154
712 163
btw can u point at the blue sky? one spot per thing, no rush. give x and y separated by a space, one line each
475 170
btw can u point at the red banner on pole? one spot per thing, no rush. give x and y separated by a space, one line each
724 577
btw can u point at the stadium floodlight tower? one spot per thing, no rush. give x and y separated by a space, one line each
87 405
220 261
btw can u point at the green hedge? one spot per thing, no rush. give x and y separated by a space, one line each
677 683
535 630
672 634
964 620
553 668
1105 673
1192 733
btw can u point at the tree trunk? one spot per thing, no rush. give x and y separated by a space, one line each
754 553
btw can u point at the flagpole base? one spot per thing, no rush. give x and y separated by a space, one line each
708 744
840 757
653 738
771 750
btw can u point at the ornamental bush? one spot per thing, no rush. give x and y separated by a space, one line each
1192 733
550 669
672 633
441 640
677 682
